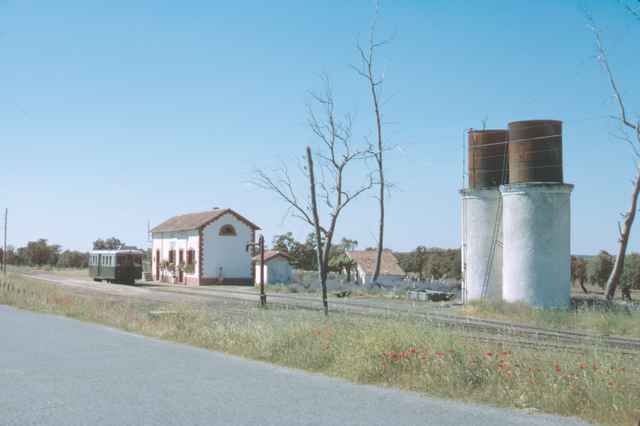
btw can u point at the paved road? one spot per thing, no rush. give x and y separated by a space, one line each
57 371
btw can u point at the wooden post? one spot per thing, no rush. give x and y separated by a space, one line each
263 296
251 249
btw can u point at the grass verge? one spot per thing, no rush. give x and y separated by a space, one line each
602 319
598 385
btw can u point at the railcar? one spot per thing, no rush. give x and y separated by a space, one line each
117 266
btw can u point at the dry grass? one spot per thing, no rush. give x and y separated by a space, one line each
600 319
65 272
598 386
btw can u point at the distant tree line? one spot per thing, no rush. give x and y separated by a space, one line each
422 262
596 270
303 255
40 253
425 263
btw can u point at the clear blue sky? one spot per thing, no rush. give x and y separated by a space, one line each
115 113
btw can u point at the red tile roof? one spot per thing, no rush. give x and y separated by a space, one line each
271 254
190 221
366 259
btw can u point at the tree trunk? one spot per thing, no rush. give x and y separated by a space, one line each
316 220
618 266
583 287
376 273
349 273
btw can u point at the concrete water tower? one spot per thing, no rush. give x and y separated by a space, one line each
536 265
482 215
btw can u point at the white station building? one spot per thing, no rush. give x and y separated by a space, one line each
204 248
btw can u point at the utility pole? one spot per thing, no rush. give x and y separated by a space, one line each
4 250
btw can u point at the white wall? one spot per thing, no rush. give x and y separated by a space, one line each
277 271
482 250
167 241
228 252
383 279
537 246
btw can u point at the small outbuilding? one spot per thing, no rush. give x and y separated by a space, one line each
277 268
365 263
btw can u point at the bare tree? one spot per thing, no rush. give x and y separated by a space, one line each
624 229
367 71
633 10
336 155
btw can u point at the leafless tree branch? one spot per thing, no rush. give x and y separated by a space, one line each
336 155
367 71
624 229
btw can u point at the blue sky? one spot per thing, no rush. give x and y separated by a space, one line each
117 113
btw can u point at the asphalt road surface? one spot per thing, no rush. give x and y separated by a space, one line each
57 371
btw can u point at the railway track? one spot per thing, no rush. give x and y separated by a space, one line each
470 323
501 331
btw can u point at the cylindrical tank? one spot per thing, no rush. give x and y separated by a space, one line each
481 248
535 151
537 252
488 160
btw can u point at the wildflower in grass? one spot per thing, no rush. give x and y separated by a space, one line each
488 354
584 365
440 355
557 368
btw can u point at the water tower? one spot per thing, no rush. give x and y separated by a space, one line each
536 265
482 215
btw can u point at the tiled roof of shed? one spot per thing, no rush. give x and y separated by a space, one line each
366 259
270 254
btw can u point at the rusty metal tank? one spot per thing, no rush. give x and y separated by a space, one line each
535 151
488 158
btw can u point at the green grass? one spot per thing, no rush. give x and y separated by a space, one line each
598 386
608 320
